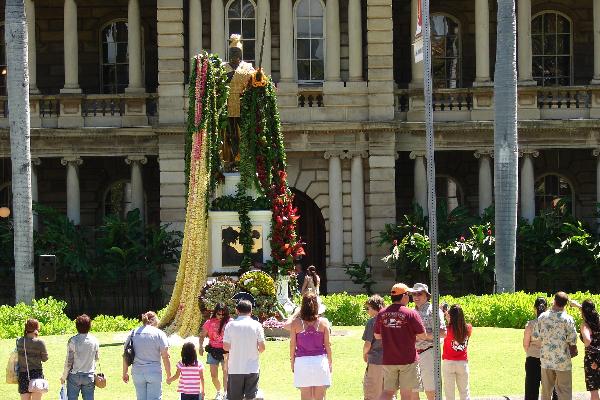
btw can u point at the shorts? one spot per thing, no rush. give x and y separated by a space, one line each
426 370
403 377
241 386
210 360
373 382
185 396
24 381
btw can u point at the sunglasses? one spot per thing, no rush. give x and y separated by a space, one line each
418 294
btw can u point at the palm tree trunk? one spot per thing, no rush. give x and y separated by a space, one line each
18 104
505 147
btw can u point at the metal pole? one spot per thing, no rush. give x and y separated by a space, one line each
431 196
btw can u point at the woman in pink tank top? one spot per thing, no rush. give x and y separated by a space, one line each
310 351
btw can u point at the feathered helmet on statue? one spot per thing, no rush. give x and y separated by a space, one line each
235 40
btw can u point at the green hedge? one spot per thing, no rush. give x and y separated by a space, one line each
500 310
53 320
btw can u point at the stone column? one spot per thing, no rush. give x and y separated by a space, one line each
355 70
35 162
73 196
217 27
286 41
527 186
596 79
31 43
452 192
171 62
357 189
264 12
137 182
71 48
332 41
195 24
482 43
524 42
336 220
134 47
417 68
596 153
420 181
485 180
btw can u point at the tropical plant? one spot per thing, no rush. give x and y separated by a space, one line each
15 39
360 274
505 146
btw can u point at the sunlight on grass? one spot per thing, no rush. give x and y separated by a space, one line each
496 364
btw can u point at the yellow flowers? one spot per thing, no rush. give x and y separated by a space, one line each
183 312
258 283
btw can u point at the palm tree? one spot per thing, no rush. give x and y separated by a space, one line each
18 104
505 146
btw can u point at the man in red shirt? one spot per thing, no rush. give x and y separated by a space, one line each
399 327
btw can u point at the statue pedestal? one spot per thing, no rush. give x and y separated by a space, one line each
283 285
229 187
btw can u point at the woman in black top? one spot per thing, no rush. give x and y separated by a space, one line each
36 355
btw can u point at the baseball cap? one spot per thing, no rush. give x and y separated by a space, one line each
398 289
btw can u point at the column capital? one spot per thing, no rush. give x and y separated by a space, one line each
358 153
414 154
71 160
333 153
479 153
529 153
36 161
136 159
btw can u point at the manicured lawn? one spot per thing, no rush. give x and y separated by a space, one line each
496 364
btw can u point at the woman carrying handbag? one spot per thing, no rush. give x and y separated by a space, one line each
80 364
32 353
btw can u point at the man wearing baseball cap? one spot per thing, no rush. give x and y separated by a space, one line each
420 294
399 327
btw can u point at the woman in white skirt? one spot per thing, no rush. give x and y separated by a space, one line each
310 351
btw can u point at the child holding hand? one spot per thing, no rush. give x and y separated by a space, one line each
190 373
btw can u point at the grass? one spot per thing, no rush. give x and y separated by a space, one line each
496 361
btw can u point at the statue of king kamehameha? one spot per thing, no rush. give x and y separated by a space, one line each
239 74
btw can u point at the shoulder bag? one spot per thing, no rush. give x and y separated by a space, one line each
38 385
99 378
129 353
12 367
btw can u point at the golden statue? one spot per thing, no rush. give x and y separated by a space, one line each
239 74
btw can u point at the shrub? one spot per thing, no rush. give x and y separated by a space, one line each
219 291
108 323
49 311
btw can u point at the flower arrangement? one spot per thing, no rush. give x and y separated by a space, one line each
257 283
273 323
220 290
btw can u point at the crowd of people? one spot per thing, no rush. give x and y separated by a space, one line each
398 351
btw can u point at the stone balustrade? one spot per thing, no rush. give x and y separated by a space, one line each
476 104
91 110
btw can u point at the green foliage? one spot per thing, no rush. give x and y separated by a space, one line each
360 274
231 203
345 310
108 323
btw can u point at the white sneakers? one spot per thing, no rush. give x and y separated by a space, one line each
220 396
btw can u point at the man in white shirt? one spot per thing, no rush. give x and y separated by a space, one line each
244 339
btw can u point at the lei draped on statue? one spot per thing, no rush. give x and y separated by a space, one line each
262 165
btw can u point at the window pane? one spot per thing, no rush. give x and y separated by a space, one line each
563 25
122 74
563 67
303 49
121 31
452 46
536 44
302 9
564 44
438 48
316 8
550 23
303 70
550 44
248 29
247 10
439 26
549 66
303 28
538 66
536 24
235 26
438 69
234 9
317 72
316 48
122 53
249 49
316 27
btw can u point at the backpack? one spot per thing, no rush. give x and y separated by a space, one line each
129 353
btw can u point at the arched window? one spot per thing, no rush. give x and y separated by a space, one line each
449 192
446 51
115 57
310 41
241 19
2 62
551 188
551 49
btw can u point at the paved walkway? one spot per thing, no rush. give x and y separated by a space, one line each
576 396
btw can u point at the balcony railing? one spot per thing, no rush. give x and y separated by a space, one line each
310 97
88 110
476 104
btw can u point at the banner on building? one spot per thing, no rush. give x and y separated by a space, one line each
418 42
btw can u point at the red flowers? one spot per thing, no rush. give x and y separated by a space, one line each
395 242
462 238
